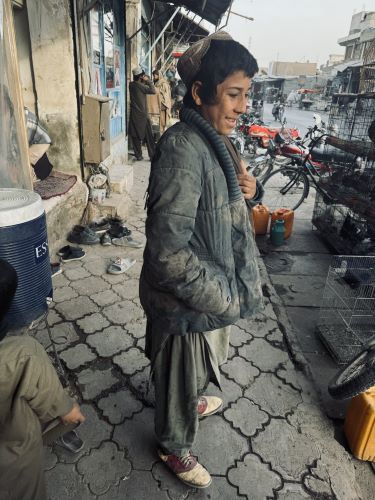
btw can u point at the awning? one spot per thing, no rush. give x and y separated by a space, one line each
349 64
188 28
210 10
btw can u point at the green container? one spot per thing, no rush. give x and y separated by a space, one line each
277 233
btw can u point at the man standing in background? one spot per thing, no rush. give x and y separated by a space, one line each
164 90
140 128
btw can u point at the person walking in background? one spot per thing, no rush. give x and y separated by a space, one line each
164 90
199 273
31 396
140 128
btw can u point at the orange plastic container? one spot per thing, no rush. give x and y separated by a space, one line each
359 425
287 215
261 216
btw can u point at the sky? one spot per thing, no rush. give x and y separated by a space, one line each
294 30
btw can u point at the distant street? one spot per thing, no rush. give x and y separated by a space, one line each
295 117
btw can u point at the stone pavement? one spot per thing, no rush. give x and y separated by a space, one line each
271 441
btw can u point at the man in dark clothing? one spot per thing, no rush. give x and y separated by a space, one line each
140 128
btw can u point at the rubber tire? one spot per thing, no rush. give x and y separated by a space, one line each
264 172
302 175
346 385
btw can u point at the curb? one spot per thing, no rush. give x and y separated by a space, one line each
286 327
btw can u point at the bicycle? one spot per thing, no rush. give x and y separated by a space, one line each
290 185
357 376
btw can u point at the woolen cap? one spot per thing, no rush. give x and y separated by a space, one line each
190 61
137 71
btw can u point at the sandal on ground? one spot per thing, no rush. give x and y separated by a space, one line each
120 265
187 469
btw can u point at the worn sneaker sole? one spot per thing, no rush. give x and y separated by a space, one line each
72 258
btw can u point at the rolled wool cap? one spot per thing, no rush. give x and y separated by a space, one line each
137 71
189 63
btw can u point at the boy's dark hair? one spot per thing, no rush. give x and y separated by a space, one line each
8 286
223 58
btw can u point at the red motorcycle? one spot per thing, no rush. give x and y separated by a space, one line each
262 134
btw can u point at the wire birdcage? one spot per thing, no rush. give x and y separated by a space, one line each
367 82
347 313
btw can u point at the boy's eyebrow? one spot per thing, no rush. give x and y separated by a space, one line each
237 88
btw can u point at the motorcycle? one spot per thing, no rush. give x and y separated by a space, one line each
262 133
241 137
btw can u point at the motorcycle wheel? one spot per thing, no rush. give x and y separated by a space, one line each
285 187
356 377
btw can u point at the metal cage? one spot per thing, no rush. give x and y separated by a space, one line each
347 313
346 218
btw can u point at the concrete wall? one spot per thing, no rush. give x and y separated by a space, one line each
53 64
279 68
21 28
133 23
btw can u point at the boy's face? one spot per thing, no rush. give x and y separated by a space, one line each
231 99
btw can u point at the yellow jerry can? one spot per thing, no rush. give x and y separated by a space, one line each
359 425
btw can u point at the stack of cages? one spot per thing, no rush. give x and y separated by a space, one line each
346 218
347 313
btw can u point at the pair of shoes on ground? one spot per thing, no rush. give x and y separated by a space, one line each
111 224
83 235
71 442
69 253
187 468
120 265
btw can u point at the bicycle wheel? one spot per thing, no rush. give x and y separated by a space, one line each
261 167
286 187
356 377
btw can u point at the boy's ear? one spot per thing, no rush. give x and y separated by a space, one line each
195 93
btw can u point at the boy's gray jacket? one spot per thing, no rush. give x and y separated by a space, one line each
199 271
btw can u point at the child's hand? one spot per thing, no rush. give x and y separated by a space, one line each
74 416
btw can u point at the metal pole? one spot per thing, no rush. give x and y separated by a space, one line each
160 35
172 39
241 15
170 55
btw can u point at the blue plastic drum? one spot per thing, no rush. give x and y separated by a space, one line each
24 244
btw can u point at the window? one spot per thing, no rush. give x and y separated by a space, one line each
107 43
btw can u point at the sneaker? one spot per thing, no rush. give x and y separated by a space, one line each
118 231
106 240
187 469
127 241
71 441
74 253
100 226
83 235
55 269
208 405
63 250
